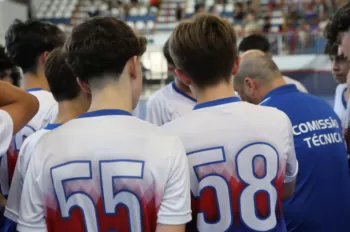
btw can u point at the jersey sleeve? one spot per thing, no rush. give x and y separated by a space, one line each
14 196
6 131
291 160
31 214
175 208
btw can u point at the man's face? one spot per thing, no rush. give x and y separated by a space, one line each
340 67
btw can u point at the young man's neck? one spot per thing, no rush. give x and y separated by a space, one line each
112 96
68 110
184 88
33 80
221 90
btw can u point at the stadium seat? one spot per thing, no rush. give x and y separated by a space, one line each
133 11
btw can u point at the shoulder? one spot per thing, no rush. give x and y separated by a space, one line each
45 98
267 113
34 138
5 118
298 84
341 87
160 95
6 131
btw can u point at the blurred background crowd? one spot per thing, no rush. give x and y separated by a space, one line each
299 24
294 29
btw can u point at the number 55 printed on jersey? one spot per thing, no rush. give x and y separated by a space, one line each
108 170
253 184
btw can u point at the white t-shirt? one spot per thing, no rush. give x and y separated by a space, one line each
167 104
237 151
299 85
25 155
114 167
46 113
340 102
6 130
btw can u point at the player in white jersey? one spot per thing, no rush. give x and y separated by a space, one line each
106 170
171 101
340 70
261 43
71 102
28 45
239 172
16 109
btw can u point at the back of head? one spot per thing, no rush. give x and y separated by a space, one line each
205 49
26 41
5 64
256 42
101 47
8 70
167 55
62 82
258 66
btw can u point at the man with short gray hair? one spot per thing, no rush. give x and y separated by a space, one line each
261 43
320 201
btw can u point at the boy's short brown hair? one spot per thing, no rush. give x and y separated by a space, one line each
102 45
205 48
62 82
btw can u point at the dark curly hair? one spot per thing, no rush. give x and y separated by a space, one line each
26 41
102 45
5 63
255 41
339 23
7 68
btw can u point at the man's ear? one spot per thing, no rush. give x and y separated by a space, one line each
236 66
84 86
133 65
43 57
184 78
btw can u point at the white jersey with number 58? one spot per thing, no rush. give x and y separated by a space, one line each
240 155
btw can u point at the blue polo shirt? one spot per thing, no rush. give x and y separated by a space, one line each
320 201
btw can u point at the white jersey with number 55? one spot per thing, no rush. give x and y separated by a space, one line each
106 171
240 155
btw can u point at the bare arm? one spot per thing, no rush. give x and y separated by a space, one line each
3 203
170 228
288 190
20 105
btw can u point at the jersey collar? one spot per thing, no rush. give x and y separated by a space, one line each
280 90
52 126
216 102
33 89
105 112
179 91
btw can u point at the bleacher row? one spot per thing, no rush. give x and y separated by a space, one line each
68 13
142 17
